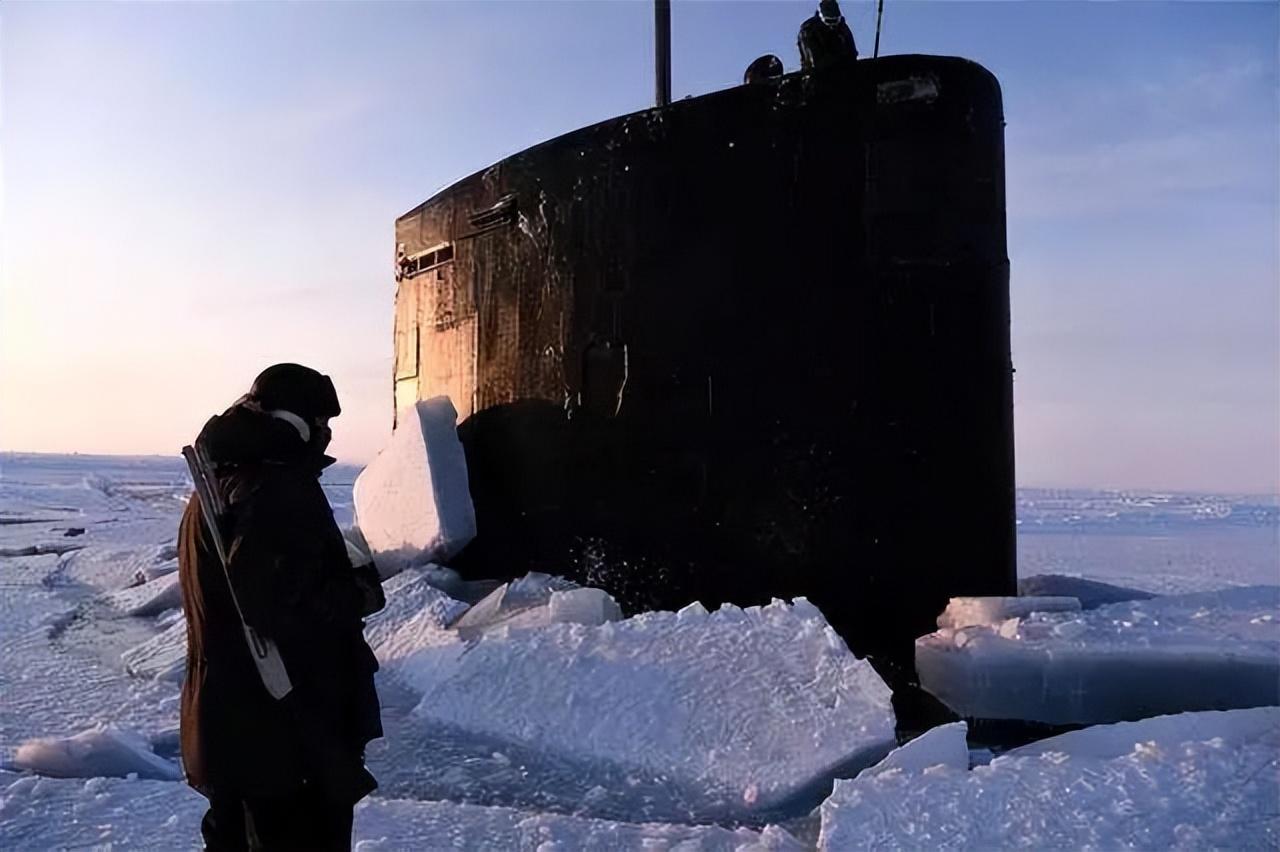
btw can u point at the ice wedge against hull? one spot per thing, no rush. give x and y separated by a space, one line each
1123 661
412 501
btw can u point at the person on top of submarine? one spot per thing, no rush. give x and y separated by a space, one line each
825 39
279 774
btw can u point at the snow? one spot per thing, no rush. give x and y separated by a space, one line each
38 814
1191 782
100 751
583 606
162 657
1119 661
968 612
946 745
147 599
388 825
82 539
1231 727
751 707
43 813
413 502
536 600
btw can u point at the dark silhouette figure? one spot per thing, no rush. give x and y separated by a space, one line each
279 774
825 39
763 69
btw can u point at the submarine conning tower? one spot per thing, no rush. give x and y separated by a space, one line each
752 344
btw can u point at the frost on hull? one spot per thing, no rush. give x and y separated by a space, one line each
751 708
412 502
1196 781
1204 651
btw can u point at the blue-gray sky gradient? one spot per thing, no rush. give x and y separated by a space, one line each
193 191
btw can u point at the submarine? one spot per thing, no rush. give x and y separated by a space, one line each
747 345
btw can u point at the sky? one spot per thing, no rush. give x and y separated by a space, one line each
191 192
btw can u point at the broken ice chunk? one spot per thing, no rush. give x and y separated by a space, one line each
1123 661
99 751
163 656
417 613
412 502
1197 781
151 598
946 745
967 612
521 603
583 606
746 708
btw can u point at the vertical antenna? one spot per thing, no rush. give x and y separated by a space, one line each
662 50
879 18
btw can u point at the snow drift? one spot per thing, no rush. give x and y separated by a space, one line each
412 502
1123 661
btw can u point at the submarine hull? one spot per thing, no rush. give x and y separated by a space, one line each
753 344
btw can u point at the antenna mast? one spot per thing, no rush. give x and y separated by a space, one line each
662 50
879 18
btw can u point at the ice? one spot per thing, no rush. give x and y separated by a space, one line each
148 599
417 614
412 502
99 751
1090 593
386 825
39 814
583 606
46 813
1231 727
752 707
1196 781
536 600
1122 661
946 745
163 657
968 612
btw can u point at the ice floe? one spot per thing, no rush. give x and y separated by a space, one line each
1198 781
1123 661
751 707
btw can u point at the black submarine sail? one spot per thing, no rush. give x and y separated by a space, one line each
746 345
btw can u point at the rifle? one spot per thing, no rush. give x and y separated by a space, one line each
266 656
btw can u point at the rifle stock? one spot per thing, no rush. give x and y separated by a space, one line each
266 656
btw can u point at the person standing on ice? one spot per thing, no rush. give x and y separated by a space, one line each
825 39
279 774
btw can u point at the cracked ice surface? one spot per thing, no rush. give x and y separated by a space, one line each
751 707
1129 660
1193 781
49 813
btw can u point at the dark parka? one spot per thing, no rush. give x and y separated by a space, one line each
296 586
822 45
